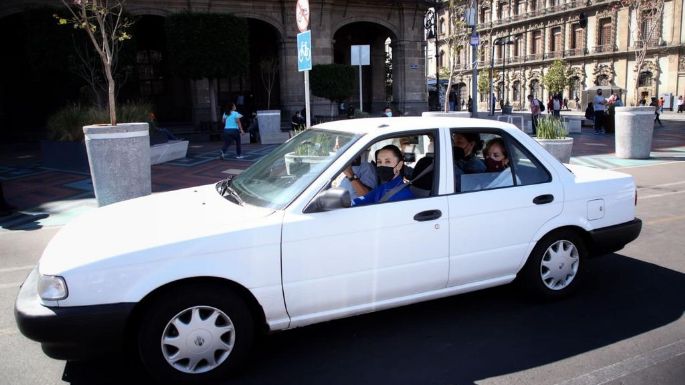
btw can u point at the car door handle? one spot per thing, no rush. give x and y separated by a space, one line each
543 199
428 215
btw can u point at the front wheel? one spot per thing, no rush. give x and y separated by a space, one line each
555 265
195 335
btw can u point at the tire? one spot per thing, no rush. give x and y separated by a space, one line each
555 266
195 334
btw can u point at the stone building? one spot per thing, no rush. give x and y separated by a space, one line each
393 29
599 54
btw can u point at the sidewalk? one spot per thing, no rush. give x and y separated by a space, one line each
48 197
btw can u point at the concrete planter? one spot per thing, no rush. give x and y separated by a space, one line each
634 128
270 127
559 148
119 160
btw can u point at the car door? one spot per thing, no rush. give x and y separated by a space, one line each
492 228
352 260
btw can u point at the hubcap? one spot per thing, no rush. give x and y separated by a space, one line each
198 339
559 265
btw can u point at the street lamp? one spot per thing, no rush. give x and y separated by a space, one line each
430 24
503 41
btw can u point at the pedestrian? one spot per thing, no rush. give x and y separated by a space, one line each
534 113
550 105
452 97
681 103
556 106
387 112
598 105
618 102
566 104
661 104
577 99
232 130
470 104
655 104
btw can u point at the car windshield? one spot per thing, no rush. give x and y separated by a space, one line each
278 178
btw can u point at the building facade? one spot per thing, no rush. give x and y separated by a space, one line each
520 39
335 26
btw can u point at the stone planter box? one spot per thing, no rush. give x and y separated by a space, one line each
634 129
119 160
70 156
559 148
168 151
270 127
573 125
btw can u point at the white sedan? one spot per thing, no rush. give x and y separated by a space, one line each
189 277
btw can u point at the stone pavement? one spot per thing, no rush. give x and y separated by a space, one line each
49 197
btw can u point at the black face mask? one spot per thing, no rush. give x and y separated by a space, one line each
385 173
458 153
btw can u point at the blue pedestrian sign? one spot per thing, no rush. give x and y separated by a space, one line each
304 51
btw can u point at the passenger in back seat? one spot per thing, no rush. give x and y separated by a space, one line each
496 157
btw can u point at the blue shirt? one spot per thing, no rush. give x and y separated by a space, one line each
231 120
375 195
367 175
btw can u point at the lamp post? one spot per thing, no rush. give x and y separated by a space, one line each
503 41
430 24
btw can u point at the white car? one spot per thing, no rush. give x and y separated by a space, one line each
189 277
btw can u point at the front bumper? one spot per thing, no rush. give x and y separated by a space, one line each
70 333
613 238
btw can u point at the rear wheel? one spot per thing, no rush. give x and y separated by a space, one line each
195 335
555 265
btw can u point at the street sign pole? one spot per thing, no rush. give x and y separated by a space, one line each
304 52
360 89
308 115
360 55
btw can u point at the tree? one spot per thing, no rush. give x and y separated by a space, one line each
106 26
206 45
268 69
484 83
456 41
334 82
649 14
555 79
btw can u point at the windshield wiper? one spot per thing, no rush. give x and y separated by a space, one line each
226 187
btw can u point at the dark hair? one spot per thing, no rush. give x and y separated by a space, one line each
472 137
390 147
498 141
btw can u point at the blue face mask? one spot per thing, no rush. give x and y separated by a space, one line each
388 114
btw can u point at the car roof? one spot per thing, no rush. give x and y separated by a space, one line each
410 123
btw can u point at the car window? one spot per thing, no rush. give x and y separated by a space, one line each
528 170
276 179
417 154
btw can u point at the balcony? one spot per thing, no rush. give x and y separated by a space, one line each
554 54
649 43
604 48
575 52
535 56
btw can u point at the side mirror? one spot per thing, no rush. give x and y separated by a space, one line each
331 199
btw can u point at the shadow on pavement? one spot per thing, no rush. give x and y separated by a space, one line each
457 340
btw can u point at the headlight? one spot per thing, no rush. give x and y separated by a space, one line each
52 288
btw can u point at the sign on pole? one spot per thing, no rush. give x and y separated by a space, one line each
361 56
302 14
304 51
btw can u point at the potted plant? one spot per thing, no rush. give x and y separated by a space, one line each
552 135
118 154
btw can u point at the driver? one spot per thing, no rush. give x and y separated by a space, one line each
390 171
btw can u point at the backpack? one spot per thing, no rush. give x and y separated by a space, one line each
542 106
589 112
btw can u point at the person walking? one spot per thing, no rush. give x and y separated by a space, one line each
556 106
232 130
681 103
657 108
599 106
534 112
661 105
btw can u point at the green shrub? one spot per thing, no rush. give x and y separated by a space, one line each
67 124
334 82
550 128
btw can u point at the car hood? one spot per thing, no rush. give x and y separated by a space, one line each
144 229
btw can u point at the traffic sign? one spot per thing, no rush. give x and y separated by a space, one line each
302 14
304 51
475 39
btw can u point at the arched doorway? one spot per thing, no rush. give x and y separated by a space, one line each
377 78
